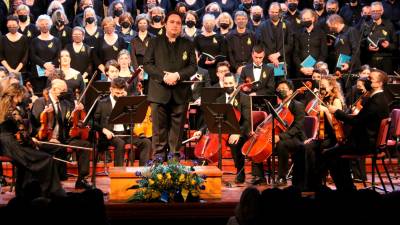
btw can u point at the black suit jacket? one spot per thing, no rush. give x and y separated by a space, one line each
66 111
296 128
365 125
161 56
242 103
102 115
198 86
266 84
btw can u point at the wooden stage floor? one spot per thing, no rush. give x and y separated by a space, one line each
212 210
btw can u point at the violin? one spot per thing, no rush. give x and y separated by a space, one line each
46 120
207 147
259 146
358 105
78 129
22 135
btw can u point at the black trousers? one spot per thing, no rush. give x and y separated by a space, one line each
168 122
282 149
238 157
143 145
31 165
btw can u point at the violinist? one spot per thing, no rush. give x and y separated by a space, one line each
30 162
329 94
258 71
235 141
358 88
290 140
108 132
365 128
58 107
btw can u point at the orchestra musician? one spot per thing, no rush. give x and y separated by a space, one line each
31 164
109 132
365 128
289 140
59 107
330 93
240 102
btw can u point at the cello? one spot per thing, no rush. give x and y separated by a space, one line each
207 147
259 146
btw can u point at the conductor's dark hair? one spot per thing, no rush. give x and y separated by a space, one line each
173 13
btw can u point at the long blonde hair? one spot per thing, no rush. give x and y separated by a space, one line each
336 88
7 97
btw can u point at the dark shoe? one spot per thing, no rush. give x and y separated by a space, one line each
83 184
240 178
281 182
259 181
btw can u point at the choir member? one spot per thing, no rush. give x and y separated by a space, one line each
140 43
157 17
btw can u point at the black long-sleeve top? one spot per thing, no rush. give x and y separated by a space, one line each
104 52
350 14
386 31
43 51
81 60
346 43
138 49
213 45
271 38
30 32
14 53
313 43
240 47
64 35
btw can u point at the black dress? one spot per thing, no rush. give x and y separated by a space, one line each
156 31
91 40
32 164
138 49
30 32
14 53
75 83
105 52
81 60
64 35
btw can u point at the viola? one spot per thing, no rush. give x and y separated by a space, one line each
259 146
207 147
46 120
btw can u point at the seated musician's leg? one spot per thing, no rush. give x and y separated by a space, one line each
119 152
144 148
238 159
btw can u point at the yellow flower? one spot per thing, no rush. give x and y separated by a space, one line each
159 176
193 182
168 176
182 178
151 182
155 194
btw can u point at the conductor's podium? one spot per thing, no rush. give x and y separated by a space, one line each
121 178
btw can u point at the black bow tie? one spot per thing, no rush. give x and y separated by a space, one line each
257 67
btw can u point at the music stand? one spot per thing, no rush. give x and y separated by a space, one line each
210 94
96 91
257 103
129 110
220 118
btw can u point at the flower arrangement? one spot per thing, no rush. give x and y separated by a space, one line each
168 182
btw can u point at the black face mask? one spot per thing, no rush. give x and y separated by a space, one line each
229 90
281 94
306 24
292 6
118 12
157 19
315 84
330 12
367 85
190 23
90 20
360 91
125 24
23 18
63 96
257 18
318 6
224 26
247 5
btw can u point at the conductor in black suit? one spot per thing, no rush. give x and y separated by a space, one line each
169 60
364 133
257 71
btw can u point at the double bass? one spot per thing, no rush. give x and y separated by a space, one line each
207 147
259 146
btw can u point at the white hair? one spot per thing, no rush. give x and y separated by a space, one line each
44 17
54 5
208 17
87 10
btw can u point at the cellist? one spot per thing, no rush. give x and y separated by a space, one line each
330 94
235 141
61 108
290 140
